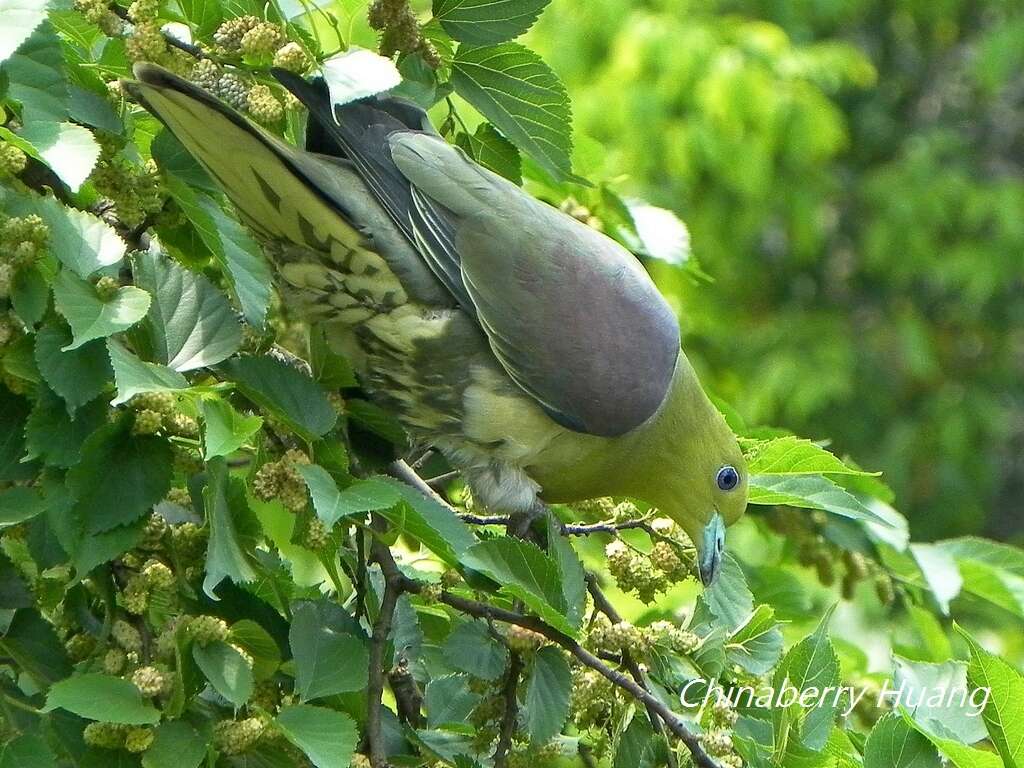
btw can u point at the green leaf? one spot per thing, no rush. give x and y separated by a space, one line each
21 17
729 598
190 322
134 376
471 648
32 642
30 294
429 522
795 456
258 643
362 496
810 492
176 745
204 16
547 695
894 744
78 376
517 92
225 557
27 750
327 662
91 318
960 755
120 477
940 571
226 429
226 669
448 700
78 239
70 150
757 645
524 572
937 709
37 76
89 108
492 150
328 738
484 22
357 73
285 391
102 697
19 504
235 251
990 570
1002 711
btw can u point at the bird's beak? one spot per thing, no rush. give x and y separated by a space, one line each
711 550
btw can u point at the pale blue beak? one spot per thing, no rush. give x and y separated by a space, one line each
711 550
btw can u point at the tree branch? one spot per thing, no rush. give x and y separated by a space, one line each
508 718
393 587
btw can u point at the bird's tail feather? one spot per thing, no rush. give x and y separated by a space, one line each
282 192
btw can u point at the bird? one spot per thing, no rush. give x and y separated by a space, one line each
531 350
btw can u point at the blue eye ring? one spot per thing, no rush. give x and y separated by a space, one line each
728 478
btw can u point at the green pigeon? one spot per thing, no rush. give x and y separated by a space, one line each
531 350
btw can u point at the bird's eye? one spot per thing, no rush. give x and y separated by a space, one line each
728 478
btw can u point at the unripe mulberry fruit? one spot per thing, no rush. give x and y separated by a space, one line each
161 402
182 425
143 10
6 278
523 640
317 535
208 629
884 589
147 423
80 646
234 737
290 56
264 106
138 740
229 34
153 533
205 74
263 39
107 288
233 89
158 575
104 735
12 160
126 636
114 661
150 681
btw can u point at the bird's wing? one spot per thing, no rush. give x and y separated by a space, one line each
572 316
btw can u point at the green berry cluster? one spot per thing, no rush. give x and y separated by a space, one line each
152 682
524 641
233 89
107 288
134 190
291 57
263 39
208 629
189 541
22 241
263 105
158 411
718 744
603 635
678 639
138 740
12 160
316 535
647 574
105 735
98 12
281 480
400 31
126 636
593 697
233 737
228 36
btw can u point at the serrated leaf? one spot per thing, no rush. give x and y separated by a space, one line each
91 318
259 644
176 744
70 150
960 755
357 73
729 598
19 504
894 744
226 670
78 375
120 477
190 322
811 492
37 77
1002 710
284 390
31 641
431 523
484 22
448 699
226 430
234 250
756 646
225 557
795 456
327 738
524 572
102 697
134 376
471 648
327 662
990 570
944 715
492 150
21 17
331 504
204 16
547 695
516 91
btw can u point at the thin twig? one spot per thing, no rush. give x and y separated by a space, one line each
442 479
586 529
508 718
393 586
484 519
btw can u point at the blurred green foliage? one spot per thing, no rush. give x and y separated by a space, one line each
851 175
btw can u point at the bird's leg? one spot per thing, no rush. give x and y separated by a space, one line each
520 524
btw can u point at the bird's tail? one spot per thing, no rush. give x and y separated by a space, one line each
282 192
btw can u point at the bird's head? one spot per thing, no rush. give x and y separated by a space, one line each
701 480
